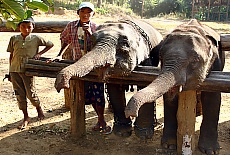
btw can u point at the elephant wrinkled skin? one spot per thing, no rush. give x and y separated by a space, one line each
187 55
119 48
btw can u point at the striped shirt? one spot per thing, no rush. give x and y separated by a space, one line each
70 36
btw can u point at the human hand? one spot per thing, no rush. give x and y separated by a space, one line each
87 28
55 59
37 56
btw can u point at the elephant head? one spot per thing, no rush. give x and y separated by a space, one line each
119 47
186 56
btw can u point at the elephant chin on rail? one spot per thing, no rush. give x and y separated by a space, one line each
187 55
119 47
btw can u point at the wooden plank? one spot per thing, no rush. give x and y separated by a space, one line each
186 117
225 42
61 63
67 55
216 81
43 68
77 109
41 27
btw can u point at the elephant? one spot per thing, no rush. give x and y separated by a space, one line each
186 55
119 46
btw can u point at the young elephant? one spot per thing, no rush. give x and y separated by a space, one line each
187 55
119 48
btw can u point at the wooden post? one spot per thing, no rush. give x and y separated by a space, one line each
77 109
142 8
193 8
186 117
209 6
67 92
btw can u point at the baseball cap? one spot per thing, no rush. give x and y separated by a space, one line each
86 5
28 20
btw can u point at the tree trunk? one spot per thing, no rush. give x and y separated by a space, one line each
99 2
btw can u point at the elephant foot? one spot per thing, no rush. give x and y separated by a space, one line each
208 146
169 138
169 143
122 129
144 133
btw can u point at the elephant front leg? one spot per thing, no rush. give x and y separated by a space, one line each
144 123
169 138
122 125
208 140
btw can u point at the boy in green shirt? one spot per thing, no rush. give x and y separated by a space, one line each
22 47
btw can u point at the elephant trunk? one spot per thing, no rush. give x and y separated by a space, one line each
97 57
157 88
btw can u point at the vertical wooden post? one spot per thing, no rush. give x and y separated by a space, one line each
209 6
186 117
193 8
77 109
227 10
67 92
142 8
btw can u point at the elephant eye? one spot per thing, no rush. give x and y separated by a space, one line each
123 41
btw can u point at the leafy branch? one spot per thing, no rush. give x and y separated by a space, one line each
14 11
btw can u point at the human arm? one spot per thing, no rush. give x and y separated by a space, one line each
58 57
66 39
47 48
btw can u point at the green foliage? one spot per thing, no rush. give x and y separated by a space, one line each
154 8
109 9
14 11
67 4
101 11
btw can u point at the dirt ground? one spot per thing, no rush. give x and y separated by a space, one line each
51 136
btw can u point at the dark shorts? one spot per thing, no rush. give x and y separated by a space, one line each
94 93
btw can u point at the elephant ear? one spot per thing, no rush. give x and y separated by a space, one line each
155 54
214 41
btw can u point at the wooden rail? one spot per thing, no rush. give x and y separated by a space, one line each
142 75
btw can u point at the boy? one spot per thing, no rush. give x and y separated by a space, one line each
73 37
22 47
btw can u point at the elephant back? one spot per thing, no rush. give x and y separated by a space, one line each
147 31
154 35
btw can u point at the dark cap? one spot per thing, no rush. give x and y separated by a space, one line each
28 20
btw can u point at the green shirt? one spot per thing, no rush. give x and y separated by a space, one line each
24 49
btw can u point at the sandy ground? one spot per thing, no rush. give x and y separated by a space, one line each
51 136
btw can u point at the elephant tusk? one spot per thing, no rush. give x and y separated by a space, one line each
180 88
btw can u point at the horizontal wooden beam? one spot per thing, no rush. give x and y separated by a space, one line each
41 27
225 42
142 75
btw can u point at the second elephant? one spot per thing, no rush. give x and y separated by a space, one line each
187 55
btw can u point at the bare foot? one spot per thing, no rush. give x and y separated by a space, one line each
41 116
24 124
